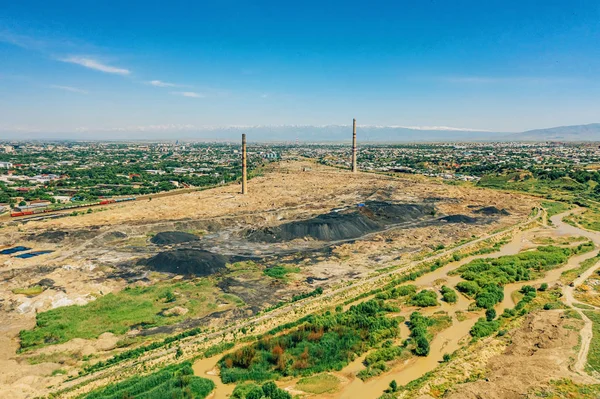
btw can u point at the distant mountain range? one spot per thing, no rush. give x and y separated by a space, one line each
316 134
589 132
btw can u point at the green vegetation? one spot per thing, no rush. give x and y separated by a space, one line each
319 384
424 298
268 391
571 185
118 313
486 277
30 291
322 342
554 208
567 389
316 292
281 272
568 276
593 360
483 328
418 325
589 219
448 294
175 381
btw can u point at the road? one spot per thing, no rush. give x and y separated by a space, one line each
568 291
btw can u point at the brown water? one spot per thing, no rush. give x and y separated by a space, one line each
207 368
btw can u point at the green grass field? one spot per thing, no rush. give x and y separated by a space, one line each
117 313
319 384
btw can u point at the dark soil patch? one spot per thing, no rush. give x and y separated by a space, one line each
56 236
492 210
367 218
196 262
173 237
458 219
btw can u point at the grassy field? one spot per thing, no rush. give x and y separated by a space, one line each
570 275
554 208
561 189
593 364
281 272
589 219
175 381
319 384
140 307
567 389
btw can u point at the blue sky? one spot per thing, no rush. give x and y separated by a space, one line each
131 66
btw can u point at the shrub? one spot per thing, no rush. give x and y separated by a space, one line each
448 294
424 298
469 288
483 328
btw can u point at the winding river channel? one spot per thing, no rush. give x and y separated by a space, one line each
453 337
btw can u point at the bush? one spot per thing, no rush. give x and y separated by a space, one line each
490 314
543 287
469 288
483 328
424 298
448 294
175 381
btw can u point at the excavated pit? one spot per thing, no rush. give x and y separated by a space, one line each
173 237
345 224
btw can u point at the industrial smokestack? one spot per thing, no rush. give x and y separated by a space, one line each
244 173
354 168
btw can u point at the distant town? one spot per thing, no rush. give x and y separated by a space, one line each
37 176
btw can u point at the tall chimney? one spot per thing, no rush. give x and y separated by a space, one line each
244 173
354 168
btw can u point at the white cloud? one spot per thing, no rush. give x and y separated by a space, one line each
160 83
188 94
69 88
96 65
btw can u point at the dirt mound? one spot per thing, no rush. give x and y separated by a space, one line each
195 262
172 237
458 219
346 224
539 352
492 210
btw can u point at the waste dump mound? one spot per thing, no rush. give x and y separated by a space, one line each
172 237
458 219
195 262
492 210
346 224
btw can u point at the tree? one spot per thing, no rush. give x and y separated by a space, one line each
422 348
22 203
543 287
446 358
490 314
393 386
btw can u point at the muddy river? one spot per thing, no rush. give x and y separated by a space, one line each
447 341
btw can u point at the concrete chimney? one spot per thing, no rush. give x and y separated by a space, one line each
244 173
354 168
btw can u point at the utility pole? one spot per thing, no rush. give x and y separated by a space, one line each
244 172
354 168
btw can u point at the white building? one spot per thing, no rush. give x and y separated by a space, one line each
6 165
